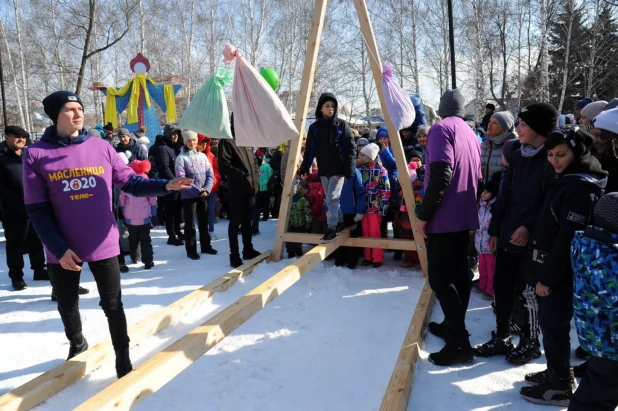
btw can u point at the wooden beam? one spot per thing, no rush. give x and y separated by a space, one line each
149 377
389 243
304 96
399 388
400 158
53 381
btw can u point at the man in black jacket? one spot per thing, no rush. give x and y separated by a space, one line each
17 228
127 144
240 167
163 157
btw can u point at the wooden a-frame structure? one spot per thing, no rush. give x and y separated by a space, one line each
311 56
157 371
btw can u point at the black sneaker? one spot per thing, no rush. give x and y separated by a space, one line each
366 263
250 254
41 275
550 392
495 346
580 370
210 251
340 228
77 346
194 256
123 362
376 265
19 285
526 351
329 236
437 329
123 268
148 265
537 378
581 353
235 260
175 241
451 354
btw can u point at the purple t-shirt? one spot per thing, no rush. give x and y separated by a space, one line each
453 142
77 180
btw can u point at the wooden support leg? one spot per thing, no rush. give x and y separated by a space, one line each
399 388
55 380
163 367
304 95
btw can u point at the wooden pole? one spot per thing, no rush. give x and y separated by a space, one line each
304 96
399 387
53 381
388 243
149 377
400 159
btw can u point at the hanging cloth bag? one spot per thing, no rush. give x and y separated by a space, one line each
398 104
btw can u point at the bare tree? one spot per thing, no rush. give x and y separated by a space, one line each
22 66
20 109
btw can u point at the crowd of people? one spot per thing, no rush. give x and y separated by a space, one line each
530 199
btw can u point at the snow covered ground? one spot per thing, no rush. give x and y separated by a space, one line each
328 343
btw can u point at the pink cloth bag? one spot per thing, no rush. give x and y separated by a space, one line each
260 119
398 104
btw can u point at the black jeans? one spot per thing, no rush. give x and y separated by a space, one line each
350 255
598 390
107 276
139 235
190 208
447 257
555 314
240 212
262 204
19 235
295 248
172 214
508 277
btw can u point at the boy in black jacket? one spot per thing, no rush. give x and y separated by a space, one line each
515 214
331 142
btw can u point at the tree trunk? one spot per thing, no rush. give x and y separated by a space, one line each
417 83
82 66
544 81
22 120
565 74
22 58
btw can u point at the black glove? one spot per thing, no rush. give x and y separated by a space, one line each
154 221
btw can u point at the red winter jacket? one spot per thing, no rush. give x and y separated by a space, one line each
213 161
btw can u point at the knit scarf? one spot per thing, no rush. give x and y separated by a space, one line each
528 151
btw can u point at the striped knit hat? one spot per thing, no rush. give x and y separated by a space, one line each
606 213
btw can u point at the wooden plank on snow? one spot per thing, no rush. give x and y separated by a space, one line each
149 377
399 388
55 380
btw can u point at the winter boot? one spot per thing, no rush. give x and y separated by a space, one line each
437 329
550 392
526 351
78 345
495 346
41 275
148 265
19 285
209 250
249 254
376 265
123 362
175 241
235 260
452 354
537 378
329 236
366 263
123 268
193 256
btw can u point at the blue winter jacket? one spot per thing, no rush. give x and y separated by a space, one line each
594 256
353 198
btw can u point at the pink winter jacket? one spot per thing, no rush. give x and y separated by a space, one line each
138 210
481 237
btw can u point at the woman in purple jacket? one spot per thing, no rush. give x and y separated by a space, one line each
68 179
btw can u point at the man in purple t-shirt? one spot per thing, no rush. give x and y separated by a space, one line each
448 213
68 179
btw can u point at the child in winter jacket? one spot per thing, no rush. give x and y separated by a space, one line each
330 141
378 190
300 218
594 256
353 207
262 198
487 261
139 214
317 198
